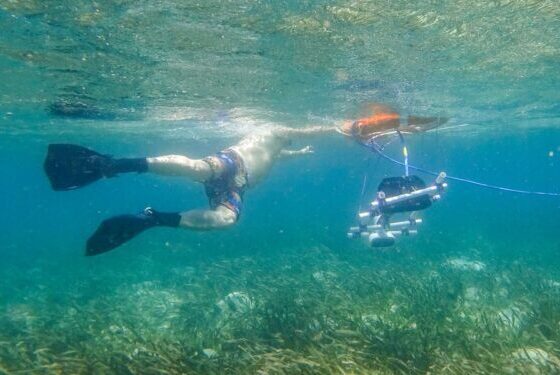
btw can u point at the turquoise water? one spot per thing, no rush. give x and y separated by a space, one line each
284 291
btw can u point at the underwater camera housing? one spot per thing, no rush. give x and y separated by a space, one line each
396 195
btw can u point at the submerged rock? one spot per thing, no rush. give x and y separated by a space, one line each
472 294
210 353
552 284
324 277
232 313
512 318
538 361
236 302
371 319
464 264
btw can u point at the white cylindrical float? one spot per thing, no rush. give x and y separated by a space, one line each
399 225
386 239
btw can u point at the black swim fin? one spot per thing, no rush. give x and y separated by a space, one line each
71 166
117 230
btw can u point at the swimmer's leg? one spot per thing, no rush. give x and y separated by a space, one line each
117 230
71 166
199 170
200 219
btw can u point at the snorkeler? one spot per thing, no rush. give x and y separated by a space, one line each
385 120
225 175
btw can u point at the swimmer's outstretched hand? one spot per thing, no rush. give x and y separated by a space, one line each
306 150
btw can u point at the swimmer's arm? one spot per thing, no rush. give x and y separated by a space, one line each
289 153
307 131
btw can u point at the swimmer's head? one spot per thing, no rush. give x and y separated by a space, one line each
348 128
356 130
